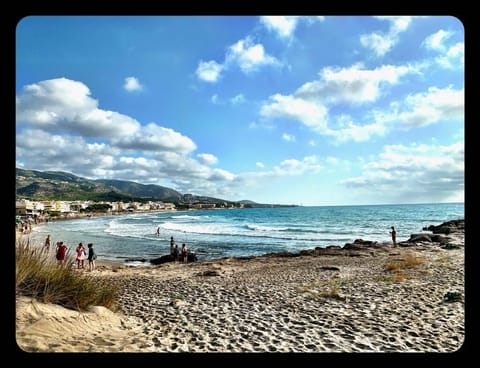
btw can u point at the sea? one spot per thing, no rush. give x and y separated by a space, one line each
219 233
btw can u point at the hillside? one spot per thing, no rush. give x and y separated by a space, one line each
39 185
64 186
142 190
45 185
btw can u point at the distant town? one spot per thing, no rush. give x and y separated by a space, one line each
56 209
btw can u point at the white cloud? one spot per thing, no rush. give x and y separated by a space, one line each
451 57
209 71
214 99
436 41
207 158
60 127
248 55
289 167
45 151
245 54
284 25
354 85
421 109
222 175
65 105
377 42
132 84
380 42
259 164
238 99
288 137
348 130
454 58
311 114
414 173
152 137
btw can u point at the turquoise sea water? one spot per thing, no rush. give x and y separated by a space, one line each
245 232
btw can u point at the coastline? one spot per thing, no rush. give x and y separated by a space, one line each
348 302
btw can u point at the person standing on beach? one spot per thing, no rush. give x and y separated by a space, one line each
80 255
394 236
172 244
61 252
175 253
48 242
91 257
184 253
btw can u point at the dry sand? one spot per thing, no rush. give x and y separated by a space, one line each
266 304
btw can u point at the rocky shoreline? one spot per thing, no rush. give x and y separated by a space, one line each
364 297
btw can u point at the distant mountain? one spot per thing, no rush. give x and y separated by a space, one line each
137 190
44 185
58 185
64 186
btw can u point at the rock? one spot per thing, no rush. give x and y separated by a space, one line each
415 238
282 254
453 226
440 239
330 268
209 273
191 257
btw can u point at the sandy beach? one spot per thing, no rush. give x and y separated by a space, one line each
349 302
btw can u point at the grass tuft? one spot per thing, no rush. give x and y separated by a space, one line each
39 276
409 260
324 289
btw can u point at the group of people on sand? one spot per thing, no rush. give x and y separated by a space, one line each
81 253
175 252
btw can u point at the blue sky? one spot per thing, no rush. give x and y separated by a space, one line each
316 110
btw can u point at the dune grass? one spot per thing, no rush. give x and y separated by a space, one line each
407 261
398 267
38 275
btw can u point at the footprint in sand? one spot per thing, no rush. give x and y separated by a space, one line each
102 341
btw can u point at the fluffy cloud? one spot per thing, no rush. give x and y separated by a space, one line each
381 43
310 164
61 127
284 25
65 105
44 151
432 106
288 137
436 41
152 137
354 85
132 84
309 113
245 54
249 56
451 56
454 58
209 71
426 173
207 158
